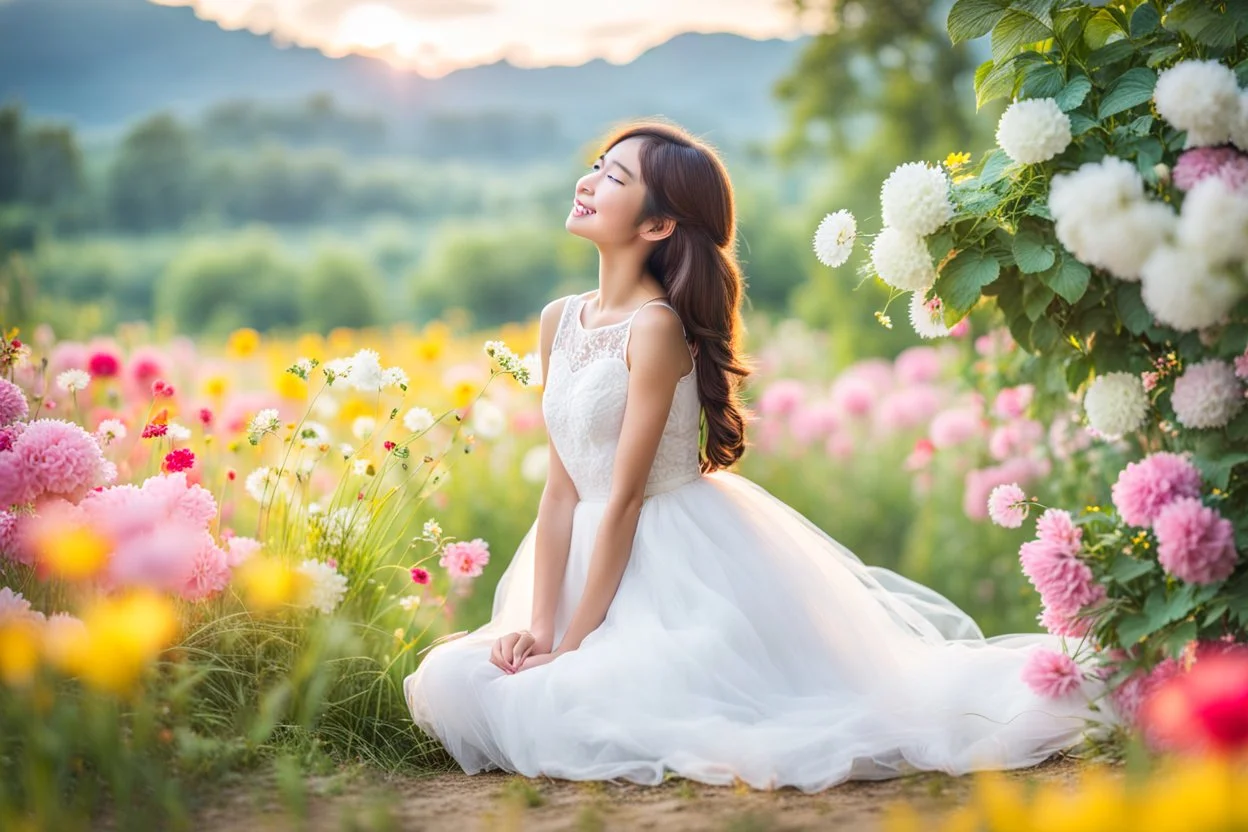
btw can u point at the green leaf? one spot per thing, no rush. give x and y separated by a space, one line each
1015 30
1217 471
993 81
1068 277
1038 208
1036 298
1214 612
1044 81
977 202
1131 309
1044 335
970 19
1111 54
1158 56
1126 568
994 168
1179 638
1132 628
963 277
1033 251
1144 20
1101 29
1077 372
1080 123
1130 89
1073 93
1200 21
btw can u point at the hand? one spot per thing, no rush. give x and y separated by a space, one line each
512 649
536 660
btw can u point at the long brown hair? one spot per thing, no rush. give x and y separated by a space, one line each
697 265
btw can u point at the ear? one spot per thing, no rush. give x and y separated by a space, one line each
658 228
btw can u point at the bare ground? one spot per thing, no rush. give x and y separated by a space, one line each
455 802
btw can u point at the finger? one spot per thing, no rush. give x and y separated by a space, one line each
496 655
521 648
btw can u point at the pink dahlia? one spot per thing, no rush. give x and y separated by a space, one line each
8 534
168 556
1057 527
1061 624
172 496
104 364
1134 691
1051 674
1007 505
907 407
1194 542
210 569
854 393
465 559
1144 488
1065 583
59 459
813 421
1200 163
955 426
12 402
13 488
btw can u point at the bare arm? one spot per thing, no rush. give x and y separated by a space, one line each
553 536
655 366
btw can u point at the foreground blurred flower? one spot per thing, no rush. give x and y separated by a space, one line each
1205 709
1199 97
1116 404
243 342
65 547
834 238
19 650
266 583
123 635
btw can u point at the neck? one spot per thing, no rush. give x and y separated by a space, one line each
622 277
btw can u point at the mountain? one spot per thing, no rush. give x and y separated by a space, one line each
100 64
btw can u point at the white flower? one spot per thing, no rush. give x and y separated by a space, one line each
1201 97
337 369
1034 130
13 606
927 317
263 423
304 366
834 238
315 509
508 361
533 365
1183 292
110 430
431 530
1122 243
901 259
394 377
1214 222
313 434
178 432
409 602
365 373
326 585
325 407
306 467
488 419
361 467
1116 404
1207 395
915 198
1239 125
363 427
418 420
71 381
346 450
1082 201
343 526
535 464
261 483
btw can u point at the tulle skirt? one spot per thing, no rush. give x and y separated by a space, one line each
743 642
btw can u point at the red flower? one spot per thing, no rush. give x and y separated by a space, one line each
180 460
389 445
103 365
420 576
162 390
231 474
153 429
205 416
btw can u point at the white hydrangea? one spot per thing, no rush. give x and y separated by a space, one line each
418 419
110 430
901 259
71 381
488 419
1116 404
927 316
1033 130
1200 97
834 238
1084 201
363 427
1214 222
1239 125
535 464
915 198
326 585
1207 395
1183 292
343 526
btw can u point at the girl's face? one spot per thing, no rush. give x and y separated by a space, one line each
609 197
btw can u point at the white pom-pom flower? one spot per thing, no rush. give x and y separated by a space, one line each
927 316
915 199
1123 242
326 586
1033 130
1214 222
1207 395
1182 291
1239 125
1200 97
488 419
71 381
1116 404
418 419
1081 201
902 260
834 238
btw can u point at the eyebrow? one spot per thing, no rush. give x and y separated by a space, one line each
603 158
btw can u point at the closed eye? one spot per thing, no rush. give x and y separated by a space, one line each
609 176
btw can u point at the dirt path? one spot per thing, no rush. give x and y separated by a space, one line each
496 801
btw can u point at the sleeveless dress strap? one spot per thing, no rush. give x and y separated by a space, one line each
571 306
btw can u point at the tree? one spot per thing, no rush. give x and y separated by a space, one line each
151 183
52 167
10 154
343 289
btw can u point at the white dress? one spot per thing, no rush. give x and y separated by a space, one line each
742 641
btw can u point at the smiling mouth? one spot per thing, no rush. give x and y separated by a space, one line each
579 210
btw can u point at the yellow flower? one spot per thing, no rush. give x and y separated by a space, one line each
124 634
1000 801
353 408
956 160
429 349
70 551
268 582
216 386
19 651
243 342
462 394
290 386
310 345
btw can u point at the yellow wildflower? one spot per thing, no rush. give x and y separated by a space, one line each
243 342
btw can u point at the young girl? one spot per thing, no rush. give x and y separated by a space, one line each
664 614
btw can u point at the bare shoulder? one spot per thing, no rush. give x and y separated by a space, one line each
658 340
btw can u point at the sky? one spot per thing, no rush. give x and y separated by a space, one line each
434 37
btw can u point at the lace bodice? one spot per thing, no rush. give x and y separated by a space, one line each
583 404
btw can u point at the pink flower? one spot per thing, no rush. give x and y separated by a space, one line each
166 556
1241 366
104 364
239 549
205 416
465 559
1200 163
782 397
1014 437
1007 506
146 365
813 421
1194 542
173 496
13 489
1011 402
12 402
9 434
59 459
906 408
854 394
1235 173
162 389
1144 488
921 455
1065 625
1207 395
980 482
420 576
1058 528
153 430
917 365
210 570
8 534
955 426
1134 691
1065 583
181 459
1051 674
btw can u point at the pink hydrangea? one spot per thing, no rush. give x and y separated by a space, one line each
1007 505
1058 528
465 559
60 459
13 405
1051 674
917 365
1194 542
954 426
1200 163
1011 402
1146 487
782 397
